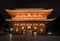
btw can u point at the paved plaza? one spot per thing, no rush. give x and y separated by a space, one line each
10 37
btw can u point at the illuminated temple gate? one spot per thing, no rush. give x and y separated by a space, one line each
29 21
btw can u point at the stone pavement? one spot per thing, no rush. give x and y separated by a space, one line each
29 38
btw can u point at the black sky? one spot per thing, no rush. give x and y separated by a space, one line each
29 3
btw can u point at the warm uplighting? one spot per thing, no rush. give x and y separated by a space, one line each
29 21
11 29
16 29
23 27
42 24
17 16
22 16
41 30
35 16
35 27
41 16
29 13
16 24
29 27
35 24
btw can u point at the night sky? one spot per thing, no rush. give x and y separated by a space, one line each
12 4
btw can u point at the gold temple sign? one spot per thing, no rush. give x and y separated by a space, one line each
29 13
